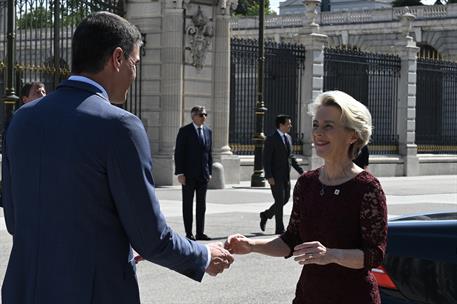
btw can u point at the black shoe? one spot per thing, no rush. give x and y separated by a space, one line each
203 237
263 221
190 237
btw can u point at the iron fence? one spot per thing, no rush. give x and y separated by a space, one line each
436 106
284 69
373 80
44 29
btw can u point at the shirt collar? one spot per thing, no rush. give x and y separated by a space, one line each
90 81
196 127
280 133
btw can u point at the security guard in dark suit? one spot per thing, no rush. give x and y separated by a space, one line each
277 160
193 163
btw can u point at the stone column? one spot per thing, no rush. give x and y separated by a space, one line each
221 96
171 89
406 107
313 81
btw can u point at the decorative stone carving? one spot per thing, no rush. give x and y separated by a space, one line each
200 33
406 21
226 6
311 12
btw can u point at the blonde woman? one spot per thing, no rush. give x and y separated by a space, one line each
338 225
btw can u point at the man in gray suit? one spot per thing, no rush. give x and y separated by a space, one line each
78 187
277 160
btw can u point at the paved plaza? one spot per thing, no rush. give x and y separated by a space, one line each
254 278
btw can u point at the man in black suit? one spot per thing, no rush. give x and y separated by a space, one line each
193 162
277 159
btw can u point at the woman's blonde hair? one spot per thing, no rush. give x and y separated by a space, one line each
354 116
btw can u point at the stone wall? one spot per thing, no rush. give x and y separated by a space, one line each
186 63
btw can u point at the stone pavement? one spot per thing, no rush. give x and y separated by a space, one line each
254 278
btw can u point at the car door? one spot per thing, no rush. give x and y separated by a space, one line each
421 259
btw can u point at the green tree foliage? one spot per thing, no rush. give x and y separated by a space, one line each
398 3
251 8
70 12
35 18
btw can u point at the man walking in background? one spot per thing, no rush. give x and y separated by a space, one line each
78 187
277 160
193 163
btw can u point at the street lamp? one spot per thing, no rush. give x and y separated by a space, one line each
258 177
10 99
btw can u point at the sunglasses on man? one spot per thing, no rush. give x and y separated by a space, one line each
203 114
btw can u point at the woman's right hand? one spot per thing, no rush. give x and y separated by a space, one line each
239 244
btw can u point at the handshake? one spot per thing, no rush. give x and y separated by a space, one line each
221 254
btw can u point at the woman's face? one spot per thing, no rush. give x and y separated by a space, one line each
331 138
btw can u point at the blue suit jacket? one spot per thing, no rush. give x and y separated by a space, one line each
193 159
78 191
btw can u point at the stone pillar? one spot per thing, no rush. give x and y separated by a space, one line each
171 89
406 107
221 96
313 81
147 16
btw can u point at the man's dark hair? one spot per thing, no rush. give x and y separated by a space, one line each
197 110
25 90
97 36
281 119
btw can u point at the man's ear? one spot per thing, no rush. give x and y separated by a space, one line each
117 57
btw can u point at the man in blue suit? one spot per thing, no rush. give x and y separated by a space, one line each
193 164
89 194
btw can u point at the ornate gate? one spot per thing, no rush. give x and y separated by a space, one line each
43 41
284 69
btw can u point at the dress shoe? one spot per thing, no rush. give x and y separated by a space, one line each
203 237
263 221
190 237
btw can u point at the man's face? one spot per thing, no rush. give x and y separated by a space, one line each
285 127
126 75
36 91
199 119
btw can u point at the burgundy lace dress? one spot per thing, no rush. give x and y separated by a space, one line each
348 216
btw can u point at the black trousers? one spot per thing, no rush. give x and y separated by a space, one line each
198 186
281 195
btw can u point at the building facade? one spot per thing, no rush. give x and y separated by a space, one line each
296 7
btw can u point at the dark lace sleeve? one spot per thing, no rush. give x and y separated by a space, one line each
373 222
292 236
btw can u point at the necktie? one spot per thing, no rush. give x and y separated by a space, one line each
200 136
286 142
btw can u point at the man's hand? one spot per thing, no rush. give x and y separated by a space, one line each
220 259
182 179
239 244
271 181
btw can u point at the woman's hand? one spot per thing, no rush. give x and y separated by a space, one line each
239 244
313 253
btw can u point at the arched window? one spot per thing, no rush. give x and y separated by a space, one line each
428 52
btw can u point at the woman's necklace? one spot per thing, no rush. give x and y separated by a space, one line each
325 178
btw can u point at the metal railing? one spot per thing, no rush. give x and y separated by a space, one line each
436 106
44 30
373 80
284 69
